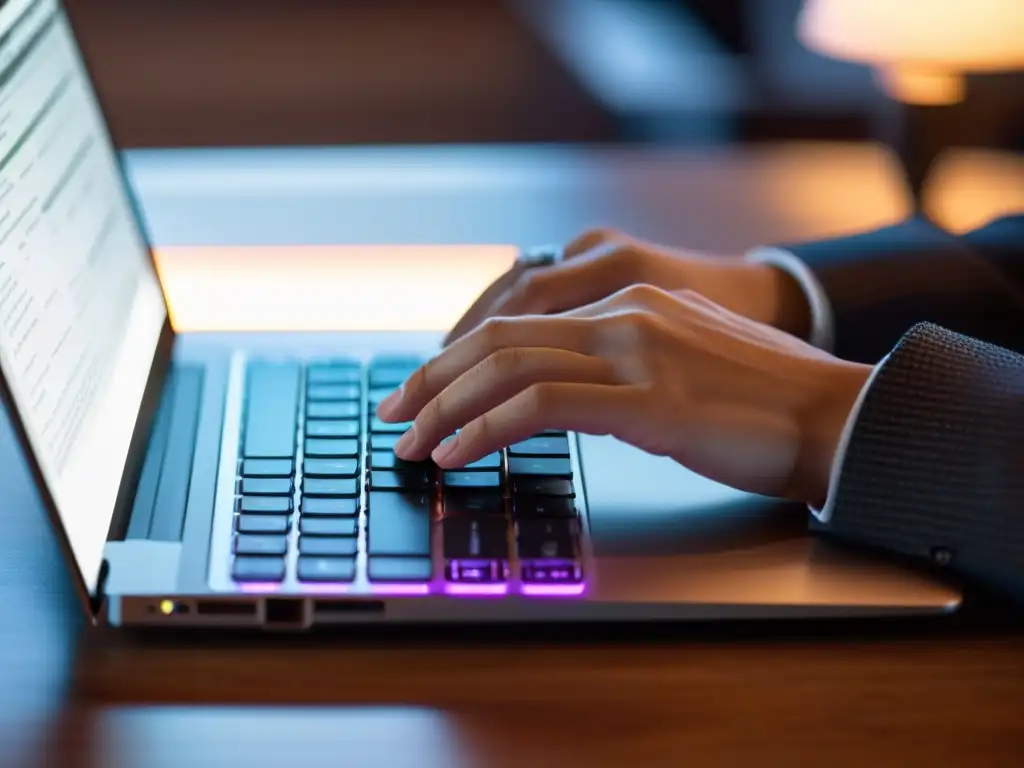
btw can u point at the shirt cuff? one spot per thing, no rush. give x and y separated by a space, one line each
824 514
822 330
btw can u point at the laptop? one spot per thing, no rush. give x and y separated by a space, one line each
242 479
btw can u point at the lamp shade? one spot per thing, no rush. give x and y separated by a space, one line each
920 49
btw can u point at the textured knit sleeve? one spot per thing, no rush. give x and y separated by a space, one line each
935 463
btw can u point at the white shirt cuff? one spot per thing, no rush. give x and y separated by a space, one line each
825 513
822 324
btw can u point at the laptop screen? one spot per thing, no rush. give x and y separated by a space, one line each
81 309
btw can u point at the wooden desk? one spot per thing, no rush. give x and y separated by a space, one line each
859 694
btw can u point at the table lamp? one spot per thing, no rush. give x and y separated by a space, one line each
921 53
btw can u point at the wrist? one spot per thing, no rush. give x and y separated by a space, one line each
776 298
822 427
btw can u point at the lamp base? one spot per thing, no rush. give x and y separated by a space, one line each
918 134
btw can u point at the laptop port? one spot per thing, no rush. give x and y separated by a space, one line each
325 608
284 611
225 608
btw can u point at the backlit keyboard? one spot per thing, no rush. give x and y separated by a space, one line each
320 494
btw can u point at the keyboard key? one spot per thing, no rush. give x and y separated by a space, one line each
543 506
407 360
267 486
490 461
271 408
399 524
330 467
375 396
332 428
393 428
327 526
383 442
401 480
326 568
390 376
385 460
332 410
541 446
388 460
262 524
482 538
332 449
257 568
399 569
265 505
473 503
542 486
564 572
463 479
332 392
541 467
267 468
320 507
252 544
326 546
546 539
330 486
476 571
344 373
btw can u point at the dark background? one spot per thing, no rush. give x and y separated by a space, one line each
694 72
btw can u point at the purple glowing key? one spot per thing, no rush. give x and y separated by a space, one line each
552 572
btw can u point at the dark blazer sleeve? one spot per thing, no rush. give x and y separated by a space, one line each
881 283
934 467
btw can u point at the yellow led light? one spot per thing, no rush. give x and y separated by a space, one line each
166 607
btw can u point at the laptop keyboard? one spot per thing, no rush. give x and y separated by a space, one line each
321 495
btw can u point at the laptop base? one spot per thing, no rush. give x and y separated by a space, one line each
657 542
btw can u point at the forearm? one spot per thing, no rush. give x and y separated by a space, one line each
934 465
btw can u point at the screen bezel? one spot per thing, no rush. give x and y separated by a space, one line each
155 382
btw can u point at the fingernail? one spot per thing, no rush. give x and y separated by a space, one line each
445 449
406 441
388 403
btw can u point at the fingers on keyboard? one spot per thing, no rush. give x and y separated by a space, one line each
520 505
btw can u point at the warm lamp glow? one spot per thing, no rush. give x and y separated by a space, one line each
921 50
326 288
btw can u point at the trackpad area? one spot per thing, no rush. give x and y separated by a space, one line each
644 505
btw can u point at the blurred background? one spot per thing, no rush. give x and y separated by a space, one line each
672 72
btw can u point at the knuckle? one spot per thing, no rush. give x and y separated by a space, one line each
627 262
477 431
690 296
530 282
600 235
529 288
493 330
635 326
645 295
432 414
538 399
420 379
503 364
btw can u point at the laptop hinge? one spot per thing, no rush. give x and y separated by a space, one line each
97 600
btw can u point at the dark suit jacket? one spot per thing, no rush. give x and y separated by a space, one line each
935 466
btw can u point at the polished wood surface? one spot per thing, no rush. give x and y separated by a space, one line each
946 692
890 701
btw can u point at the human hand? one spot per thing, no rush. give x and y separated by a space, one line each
671 373
602 261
